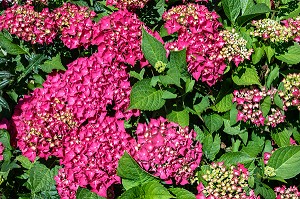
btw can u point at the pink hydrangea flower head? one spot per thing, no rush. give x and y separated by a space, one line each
167 150
287 193
91 154
1 151
75 24
291 94
127 4
29 25
197 28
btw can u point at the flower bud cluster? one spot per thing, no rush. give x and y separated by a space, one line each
271 29
197 28
225 182
167 150
127 4
1 151
291 93
75 24
249 107
29 25
235 47
287 193
294 25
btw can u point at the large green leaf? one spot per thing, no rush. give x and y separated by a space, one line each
153 49
264 190
213 122
292 56
254 147
10 47
245 76
40 178
202 106
246 4
86 194
285 161
25 162
253 11
282 138
266 106
235 157
211 146
172 77
54 63
131 173
224 104
150 190
178 60
272 76
233 130
232 9
5 139
180 117
144 97
182 193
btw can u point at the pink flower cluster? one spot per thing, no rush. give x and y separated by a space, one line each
294 25
1 151
197 29
225 183
127 4
119 36
29 25
235 47
291 93
75 24
249 107
91 157
167 150
287 193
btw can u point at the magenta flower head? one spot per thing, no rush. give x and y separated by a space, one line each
1 151
91 156
287 193
197 30
119 37
167 150
127 4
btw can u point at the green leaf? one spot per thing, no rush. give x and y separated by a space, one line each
10 47
25 162
54 63
83 193
272 76
296 135
292 56
168 95
182 193
233 114
254 147
202 106
153 49
235 157
245 76
213 122
5 74
252 12
266 106
150 190
40 178
292 14
257 55
235 130
178 60
264 190
3 103
285 161
144 97
172 77
224 104
270 52
282 138
180 117
5 139
131 173
139 76
211 146
246 4
232 9
4 83
189 85
35 61
278 101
